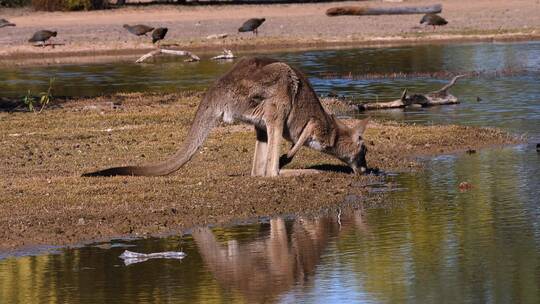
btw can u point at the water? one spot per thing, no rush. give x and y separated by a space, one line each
426 243
328 70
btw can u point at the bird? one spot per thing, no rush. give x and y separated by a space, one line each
42 36
433 19
159 34
4 23
138 29
251 25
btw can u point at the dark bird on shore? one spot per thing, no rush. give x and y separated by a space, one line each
434 20
42 36
138 29
251 25
4 23
159 33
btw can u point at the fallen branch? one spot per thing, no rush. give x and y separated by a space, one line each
217 36
192 57
227 54
435 98
362 11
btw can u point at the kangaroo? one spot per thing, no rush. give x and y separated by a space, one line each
279 102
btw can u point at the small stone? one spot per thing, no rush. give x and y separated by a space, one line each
81 222
464 186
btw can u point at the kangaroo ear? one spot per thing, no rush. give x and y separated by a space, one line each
360 127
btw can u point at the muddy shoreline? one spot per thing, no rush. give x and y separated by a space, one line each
270 46
45 201
261 47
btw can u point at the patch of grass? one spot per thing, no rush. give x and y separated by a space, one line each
14 3
68 5
42 100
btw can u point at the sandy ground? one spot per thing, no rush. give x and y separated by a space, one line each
43 199
294 25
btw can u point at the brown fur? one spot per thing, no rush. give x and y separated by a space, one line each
280 102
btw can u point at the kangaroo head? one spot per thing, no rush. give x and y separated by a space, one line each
349 145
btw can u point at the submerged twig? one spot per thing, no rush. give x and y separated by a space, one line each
438 74
339 218
227 54
192 57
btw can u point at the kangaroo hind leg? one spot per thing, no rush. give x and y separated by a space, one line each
275 133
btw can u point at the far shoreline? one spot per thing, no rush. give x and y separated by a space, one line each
263 46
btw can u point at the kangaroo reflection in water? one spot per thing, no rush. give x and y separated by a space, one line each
267 267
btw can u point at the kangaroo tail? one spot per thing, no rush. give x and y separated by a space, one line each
205 120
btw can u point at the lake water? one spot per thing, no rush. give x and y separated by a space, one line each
428 242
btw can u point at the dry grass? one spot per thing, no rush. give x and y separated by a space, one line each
43 199
68 5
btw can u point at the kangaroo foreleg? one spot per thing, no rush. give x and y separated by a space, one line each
307 132
260 154
304 136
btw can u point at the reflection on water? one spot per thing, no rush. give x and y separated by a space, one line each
426 243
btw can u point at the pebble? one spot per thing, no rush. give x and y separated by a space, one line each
463 186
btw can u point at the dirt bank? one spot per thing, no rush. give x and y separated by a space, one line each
44 201
287 26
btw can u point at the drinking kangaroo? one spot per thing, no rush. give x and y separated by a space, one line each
279 102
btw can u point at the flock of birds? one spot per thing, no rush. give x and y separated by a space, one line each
159 33
141 30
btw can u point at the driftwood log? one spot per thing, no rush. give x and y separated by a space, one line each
192 57
436 98
362 11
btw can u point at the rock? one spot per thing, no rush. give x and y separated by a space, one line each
464 186
81 222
